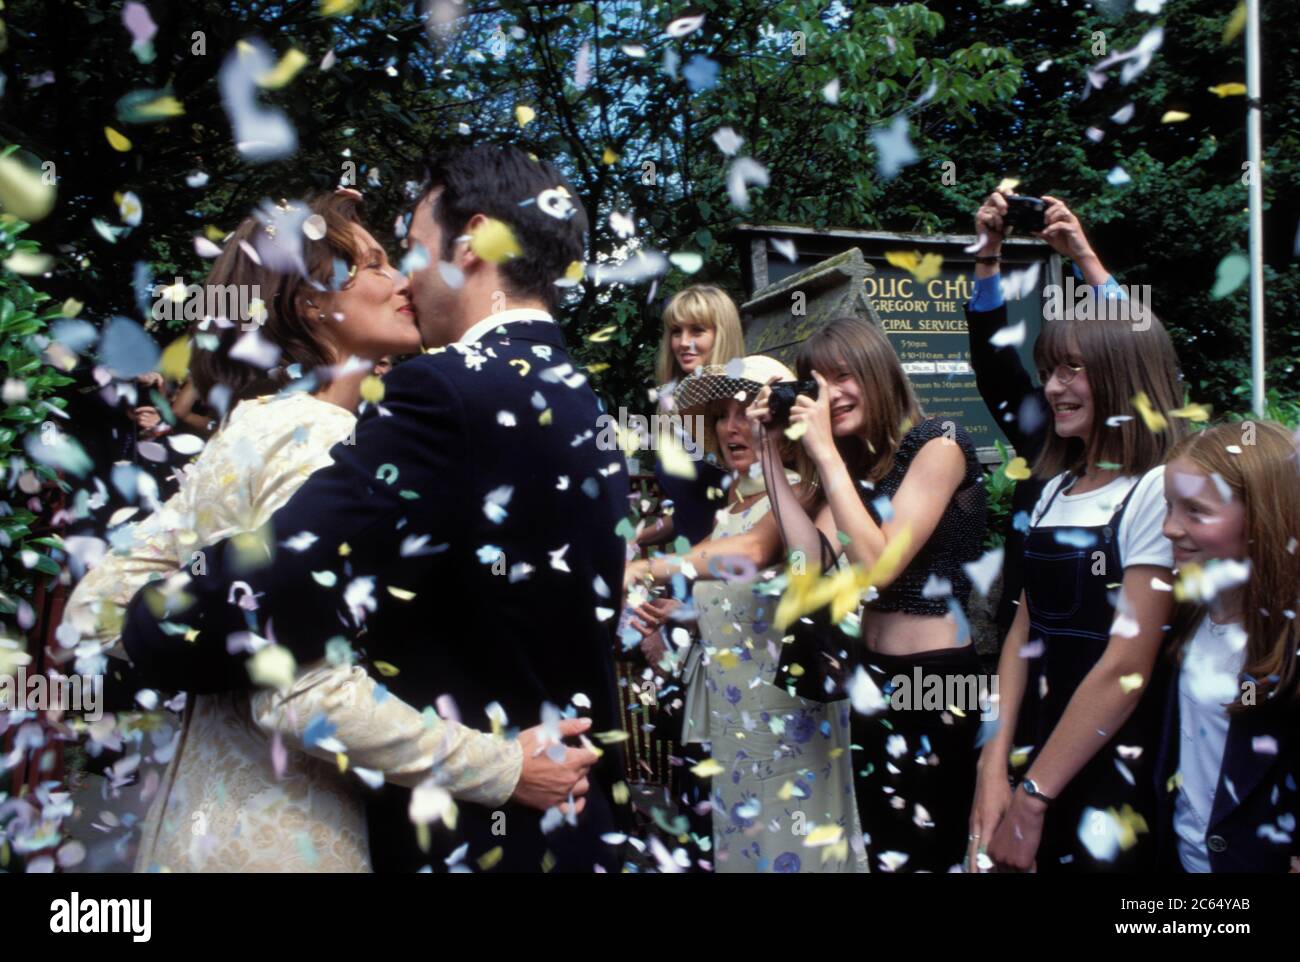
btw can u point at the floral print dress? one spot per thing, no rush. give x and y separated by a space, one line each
783 799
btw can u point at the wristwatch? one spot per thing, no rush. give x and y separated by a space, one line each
1031 789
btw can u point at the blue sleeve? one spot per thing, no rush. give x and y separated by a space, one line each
1112 291
988 293
1108 290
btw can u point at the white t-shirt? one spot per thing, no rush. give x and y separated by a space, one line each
1207 681
1140 540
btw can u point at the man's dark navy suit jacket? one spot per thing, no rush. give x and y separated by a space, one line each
477 486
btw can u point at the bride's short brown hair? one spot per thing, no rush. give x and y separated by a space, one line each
291 323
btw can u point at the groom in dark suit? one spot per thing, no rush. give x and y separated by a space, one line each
467 538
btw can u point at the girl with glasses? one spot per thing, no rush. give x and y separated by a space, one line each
1091 614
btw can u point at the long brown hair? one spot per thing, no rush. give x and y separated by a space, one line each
710 307
1122 361
289 322
889 406
1262 469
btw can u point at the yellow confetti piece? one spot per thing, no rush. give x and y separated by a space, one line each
923 268
214 234
372 389
525 115
1017 469
621 793
524 366
575 271
284 71
890 560
490 858
674 460
26 262
1009 183
116 140
494 242
345 549
727 659
1153 419
823 835
796 431
336 8
385 669
175 361
796 670
612 737
1192 412
1130 683
708 768
273 667
548 861
601 336
401 594
1174 781
1174 117
160 108
342 761
1236 23
597 367
809 591
72 307
1131 825
23 191
1228 90
609 157
545 418
786 792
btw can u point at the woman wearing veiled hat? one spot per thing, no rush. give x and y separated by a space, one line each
781 763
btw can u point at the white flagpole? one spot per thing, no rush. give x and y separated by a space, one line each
1254 150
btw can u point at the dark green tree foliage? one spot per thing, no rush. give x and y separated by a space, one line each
29 551
397 88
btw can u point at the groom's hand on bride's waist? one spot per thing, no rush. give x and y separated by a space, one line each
545 781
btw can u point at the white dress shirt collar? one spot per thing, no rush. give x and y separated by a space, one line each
493 321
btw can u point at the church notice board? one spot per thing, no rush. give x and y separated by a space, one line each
925 321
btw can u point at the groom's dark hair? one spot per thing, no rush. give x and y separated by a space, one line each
503 182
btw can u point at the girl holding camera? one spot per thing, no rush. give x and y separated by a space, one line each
902 497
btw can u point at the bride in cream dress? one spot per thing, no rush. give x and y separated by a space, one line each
232 798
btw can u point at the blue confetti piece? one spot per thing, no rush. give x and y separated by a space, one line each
380 693
883 508
959 616
126 349
1075 538
1021 522
701 73
988 728
318 729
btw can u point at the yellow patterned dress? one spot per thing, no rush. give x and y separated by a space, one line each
230 799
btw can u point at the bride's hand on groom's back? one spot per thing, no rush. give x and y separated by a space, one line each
545 782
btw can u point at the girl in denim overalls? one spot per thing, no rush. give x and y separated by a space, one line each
1092 614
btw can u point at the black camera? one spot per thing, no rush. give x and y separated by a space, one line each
781 400
1025 213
